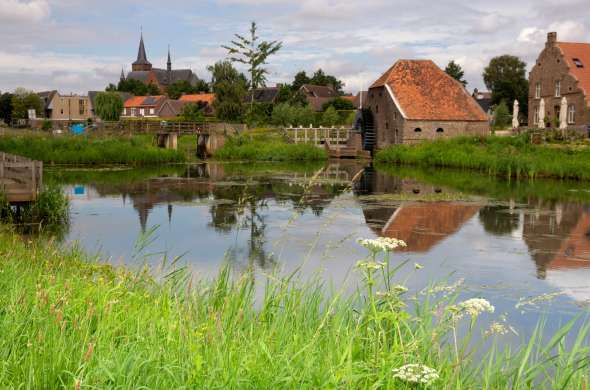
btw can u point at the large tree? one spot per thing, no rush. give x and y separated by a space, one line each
321 78
6 107
505 77
178 88
135 87
23 101
230 88
252 52
109 106
456 71
300 79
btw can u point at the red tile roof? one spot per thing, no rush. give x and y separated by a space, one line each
202 97
580 51
424 92
143 101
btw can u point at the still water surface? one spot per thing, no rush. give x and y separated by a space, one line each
507 241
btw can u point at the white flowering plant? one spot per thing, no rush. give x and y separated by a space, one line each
416 374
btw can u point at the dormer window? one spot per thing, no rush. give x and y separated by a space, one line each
578 63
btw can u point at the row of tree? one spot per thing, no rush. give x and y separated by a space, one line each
15 105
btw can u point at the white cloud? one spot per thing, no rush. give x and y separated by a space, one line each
23 11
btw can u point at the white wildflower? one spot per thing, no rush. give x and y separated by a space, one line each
496 328
472 307
443 288
416 373
394 292
381 244
535 301
371 265
399 289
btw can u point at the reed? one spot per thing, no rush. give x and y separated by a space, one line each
69 321
501 156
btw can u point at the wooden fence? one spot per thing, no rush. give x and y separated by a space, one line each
134 127
20 178
319 135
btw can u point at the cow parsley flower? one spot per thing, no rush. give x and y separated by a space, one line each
381 244
496 328
371 265
472 307
416 373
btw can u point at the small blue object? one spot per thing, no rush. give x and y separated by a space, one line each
79 190
77 129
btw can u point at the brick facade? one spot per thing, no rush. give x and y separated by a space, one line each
552 67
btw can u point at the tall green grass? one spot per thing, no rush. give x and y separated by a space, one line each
67 321
267 147
505 156
86 150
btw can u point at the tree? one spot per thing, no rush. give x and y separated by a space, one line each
320 78
6 107
178 88
300 79
338 103
22 101
502 117
505 77
330 117
135 87
249 51
109 106
456 71
230 87
193 112
305 116
283 114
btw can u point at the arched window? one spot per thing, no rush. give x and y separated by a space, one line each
417 130
440 130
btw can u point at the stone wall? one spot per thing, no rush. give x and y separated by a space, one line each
388 120
432 130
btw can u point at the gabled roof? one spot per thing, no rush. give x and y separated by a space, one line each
47 97
263 95
319 91
580 52
144 101
201 97
423 91
164 76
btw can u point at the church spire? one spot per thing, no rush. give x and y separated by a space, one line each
122 74
142 62
169 63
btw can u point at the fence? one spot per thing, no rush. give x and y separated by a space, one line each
20 178
152 127
319 135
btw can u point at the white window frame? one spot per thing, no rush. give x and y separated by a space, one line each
141 112
538 91
536 116
557 88
571 114
152 111
133 111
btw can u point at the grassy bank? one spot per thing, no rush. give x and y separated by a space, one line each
86 150
506 156
69 322
267 147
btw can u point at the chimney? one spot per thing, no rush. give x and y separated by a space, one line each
551 39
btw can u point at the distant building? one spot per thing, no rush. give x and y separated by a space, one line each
318 95
143 71
200 98
264 94
152 107
65 107
484 99
415 100
562 70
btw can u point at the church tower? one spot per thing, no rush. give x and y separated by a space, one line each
141 64
169 63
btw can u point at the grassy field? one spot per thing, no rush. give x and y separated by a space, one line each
267 147
504 156
84 150
68 321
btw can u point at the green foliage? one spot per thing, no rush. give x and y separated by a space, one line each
258 114
136 88
193 112
283 114
6 107
178 88
504 156
502 116
72 322
229 87
339 104
47 125
109 106
330 117
265 147
456 71
81 150
253 53
22 101
506 77
318 78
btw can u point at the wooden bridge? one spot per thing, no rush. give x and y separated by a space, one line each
339 142
20 178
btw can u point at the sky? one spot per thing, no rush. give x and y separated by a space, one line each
81 45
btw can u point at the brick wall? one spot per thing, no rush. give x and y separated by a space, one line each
431 130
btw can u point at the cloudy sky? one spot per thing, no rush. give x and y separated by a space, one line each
81 45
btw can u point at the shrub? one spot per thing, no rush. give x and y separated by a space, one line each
330 117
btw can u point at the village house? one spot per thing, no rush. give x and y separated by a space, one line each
203 99
561 70
415 100
318 95
65 107
143 71
152 107
484 99
264 95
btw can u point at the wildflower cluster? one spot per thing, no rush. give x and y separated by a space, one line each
496 328
381 244
416 373
395 291
443 288
370 265
536 301
472 307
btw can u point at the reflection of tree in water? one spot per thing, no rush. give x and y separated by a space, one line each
498 220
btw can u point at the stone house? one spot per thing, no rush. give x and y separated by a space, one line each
561 70
65 107
152 107
415 100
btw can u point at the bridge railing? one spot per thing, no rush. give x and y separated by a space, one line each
136 126
319 135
